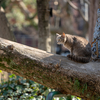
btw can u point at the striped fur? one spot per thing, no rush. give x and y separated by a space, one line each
78 59
79 47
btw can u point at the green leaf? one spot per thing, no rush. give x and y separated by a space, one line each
23 81
11 85
4 86
12 76
0 71
5 93
9 99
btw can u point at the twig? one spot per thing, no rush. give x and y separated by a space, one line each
97 49
23 8
76 8
87 2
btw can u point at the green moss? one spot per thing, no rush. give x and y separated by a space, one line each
88 95
98 98
84 88
32 74
0 59
68 82
70 79
27 74
12 64
92 98
76 85
2 65
7 60
44 76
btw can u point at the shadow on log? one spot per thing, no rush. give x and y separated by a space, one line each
51 70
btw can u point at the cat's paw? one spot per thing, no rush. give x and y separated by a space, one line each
69 56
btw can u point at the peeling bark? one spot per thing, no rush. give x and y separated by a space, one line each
51 70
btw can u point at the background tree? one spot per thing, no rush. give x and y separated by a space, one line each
43 28
43 25
94 5
6 33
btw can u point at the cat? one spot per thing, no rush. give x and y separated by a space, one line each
79 47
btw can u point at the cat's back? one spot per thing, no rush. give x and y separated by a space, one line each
83 46
81 40
78 39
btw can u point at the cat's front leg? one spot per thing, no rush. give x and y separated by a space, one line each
71 51
71 54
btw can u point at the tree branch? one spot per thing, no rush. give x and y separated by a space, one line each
51 70
61 15
87 2
76 8
23 8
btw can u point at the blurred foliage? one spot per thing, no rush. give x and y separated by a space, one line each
5 3
17 18
18 88
32 2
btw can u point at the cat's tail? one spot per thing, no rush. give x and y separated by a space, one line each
79 59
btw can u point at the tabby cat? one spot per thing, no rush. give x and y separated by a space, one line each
79 47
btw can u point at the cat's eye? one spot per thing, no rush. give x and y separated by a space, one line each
59 39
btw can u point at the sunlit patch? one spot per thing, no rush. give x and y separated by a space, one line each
56 2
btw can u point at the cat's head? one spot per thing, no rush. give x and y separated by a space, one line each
61 38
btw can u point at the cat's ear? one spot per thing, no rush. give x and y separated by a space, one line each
57 34
63 34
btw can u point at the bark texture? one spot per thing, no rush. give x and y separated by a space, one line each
4 33
94 5
43 26
5 27
54 71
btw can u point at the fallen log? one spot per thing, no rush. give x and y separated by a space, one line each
51 70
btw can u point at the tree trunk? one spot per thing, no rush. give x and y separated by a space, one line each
4 33
4 26
94 5
54 71
43 26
